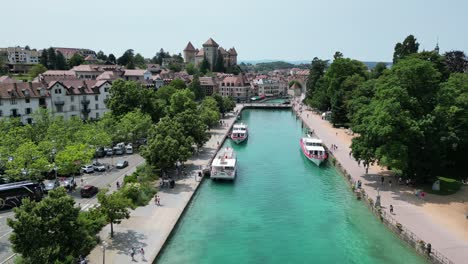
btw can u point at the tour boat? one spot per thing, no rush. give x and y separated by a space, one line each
239 133
224 165
313 150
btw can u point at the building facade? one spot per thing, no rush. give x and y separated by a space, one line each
235 87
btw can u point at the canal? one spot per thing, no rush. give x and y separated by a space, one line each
281 209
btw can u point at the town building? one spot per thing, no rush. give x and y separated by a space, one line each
69 52
236 87
209 85
19 59
269 87
137 75
82 98
210 51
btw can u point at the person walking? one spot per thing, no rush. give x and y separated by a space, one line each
391 209
158 200
390 183
382 179
142 252
132 254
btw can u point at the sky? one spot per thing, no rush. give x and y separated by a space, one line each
290 30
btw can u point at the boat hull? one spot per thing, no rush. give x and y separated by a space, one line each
239 140
222 175
316 160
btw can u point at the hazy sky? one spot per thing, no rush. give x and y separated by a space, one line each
259 29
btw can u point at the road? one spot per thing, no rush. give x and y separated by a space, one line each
106 179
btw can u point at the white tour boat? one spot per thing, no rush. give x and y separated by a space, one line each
313 149
239 133
224 165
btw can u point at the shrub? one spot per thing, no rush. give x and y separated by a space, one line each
93 220
139 193
130 179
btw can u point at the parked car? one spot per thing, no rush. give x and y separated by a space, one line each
49 185
129 149
89 191
109 151
87 168
119 149
121 164
99 166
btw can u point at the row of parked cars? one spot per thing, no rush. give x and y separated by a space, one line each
118 149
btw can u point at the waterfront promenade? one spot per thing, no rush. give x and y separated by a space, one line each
150 226
408 208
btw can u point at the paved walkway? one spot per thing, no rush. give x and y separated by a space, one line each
407 207
149 227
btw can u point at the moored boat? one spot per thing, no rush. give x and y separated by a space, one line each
224 165
313 149
239 133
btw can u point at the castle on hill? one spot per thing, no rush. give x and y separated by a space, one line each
211 52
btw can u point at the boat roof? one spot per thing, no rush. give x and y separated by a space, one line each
311 140
225 158
240 125
238 130
313 148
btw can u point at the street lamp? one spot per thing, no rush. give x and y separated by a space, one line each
104 246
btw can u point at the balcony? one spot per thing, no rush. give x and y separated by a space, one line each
85 101
59 102
86 111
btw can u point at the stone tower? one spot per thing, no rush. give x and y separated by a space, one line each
189 53
210 49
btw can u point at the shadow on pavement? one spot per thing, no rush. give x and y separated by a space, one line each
122 242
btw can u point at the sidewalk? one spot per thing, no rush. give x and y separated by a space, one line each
407 207
149 227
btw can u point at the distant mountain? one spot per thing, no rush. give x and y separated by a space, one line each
369 64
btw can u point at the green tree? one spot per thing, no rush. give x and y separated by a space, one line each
178 84
75 60
191 69
28 162
397 128
209 111
139 61
49 231
182 100
51 59
408 47
219 65
44 58
101 56
114 206
456 61
60 62
204 66
36 70
73 157
228 104
126 58
193 126
378 70
316 71
112 58
167 143
158 59
165 93
124 97
196 88
133 125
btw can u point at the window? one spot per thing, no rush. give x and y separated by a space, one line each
106 89
96 98
97 106
27 100
57 91
13 101
72 107
97 115
59 108
29 120
72 98
1 113
28 111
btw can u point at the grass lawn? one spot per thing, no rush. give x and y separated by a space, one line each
447 186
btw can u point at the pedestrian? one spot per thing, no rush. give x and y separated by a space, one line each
407 182
142 252
382 179
132 254
118 185
350 153
82 182
391 209
158 200
400 180
390 183
367 169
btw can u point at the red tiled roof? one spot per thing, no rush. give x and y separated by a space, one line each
222 51
21 90
232 51
189 47
201 53
210 43
134 72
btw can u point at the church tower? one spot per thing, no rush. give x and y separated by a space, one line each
210 49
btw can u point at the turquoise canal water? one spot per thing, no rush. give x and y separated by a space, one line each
275 101
280 209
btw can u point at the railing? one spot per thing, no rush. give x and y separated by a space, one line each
85 101
9 260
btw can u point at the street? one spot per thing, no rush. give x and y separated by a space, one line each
101 180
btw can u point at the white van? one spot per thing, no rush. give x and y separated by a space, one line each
129 149
119 149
